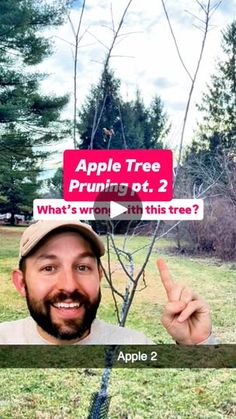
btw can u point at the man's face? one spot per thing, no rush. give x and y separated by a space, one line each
62 284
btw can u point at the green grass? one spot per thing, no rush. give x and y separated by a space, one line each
144 393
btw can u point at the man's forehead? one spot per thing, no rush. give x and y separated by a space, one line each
41 254
63 233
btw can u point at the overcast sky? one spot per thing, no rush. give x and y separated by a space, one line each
146 58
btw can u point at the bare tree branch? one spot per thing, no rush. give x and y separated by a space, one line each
76 48
175 41
98 40
201 5
195 16
112 19
117 252
207 11
97 117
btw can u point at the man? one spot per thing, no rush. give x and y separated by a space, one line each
59 274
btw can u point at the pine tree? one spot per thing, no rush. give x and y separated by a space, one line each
29 120
210 166
22 45
118 124
18 175
100 114
218 129
214 148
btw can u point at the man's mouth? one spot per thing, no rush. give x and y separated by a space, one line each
67 305
68 309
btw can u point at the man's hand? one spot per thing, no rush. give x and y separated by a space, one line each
186 316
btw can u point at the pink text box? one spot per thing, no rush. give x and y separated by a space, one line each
145 172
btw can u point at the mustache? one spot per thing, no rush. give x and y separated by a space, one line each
74 296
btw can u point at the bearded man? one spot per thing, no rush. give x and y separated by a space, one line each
59 275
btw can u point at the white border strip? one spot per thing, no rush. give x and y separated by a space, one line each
59 209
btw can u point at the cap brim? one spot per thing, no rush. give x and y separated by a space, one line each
42 229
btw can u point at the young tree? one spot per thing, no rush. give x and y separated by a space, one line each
124 253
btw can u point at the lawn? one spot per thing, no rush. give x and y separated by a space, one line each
135 393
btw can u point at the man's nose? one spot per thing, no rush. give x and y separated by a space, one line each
68 281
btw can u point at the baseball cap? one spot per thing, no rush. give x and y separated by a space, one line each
37 231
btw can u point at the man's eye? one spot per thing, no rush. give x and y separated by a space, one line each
48 268
83 268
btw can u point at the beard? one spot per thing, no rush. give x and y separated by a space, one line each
67 329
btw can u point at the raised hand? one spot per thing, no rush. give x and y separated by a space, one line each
186 316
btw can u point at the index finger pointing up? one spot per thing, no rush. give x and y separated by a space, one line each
165 276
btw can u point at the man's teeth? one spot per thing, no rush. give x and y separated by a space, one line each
67 305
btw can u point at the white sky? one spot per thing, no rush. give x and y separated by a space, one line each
153 65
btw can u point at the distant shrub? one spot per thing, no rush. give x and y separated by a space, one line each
216 233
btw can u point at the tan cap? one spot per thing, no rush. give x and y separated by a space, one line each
37 231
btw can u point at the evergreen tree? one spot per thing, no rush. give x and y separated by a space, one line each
214 147
210 165
219 103
18 175
100 112
21 44
158 123
29 120
21 23
119 124
55 185
218 129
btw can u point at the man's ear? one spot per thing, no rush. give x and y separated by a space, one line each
18 280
